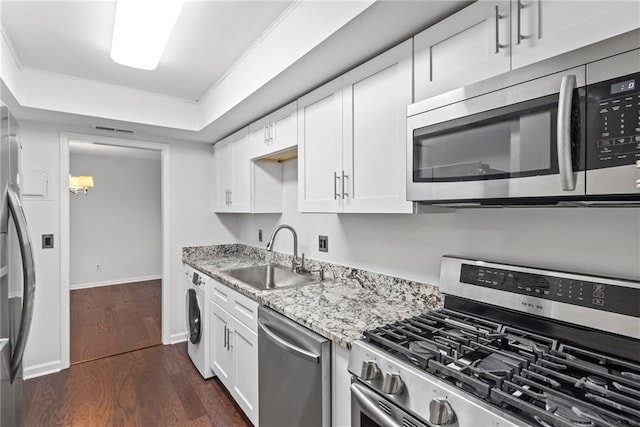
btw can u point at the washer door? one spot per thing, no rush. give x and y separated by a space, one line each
194 318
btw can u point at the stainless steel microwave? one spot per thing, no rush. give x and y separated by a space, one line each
572 136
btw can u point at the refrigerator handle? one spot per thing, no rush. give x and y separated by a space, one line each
29 279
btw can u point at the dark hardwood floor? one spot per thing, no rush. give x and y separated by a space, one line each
115 319
156 386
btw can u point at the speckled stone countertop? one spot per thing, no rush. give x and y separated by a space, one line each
346 303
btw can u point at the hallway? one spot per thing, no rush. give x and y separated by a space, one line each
110 320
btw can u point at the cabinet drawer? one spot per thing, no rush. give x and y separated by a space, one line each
244 309
221 295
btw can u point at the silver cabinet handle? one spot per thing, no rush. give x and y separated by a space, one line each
28 277
266 138
293 349
335 186
497 13
230 197
344 178
229 339
371 409
565 167
225 337
273 132
519 35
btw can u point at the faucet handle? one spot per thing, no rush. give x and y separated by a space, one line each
297 265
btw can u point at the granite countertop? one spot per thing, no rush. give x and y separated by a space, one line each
344 305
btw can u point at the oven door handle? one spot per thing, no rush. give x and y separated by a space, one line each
565 166
376 414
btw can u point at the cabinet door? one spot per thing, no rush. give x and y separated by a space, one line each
241 177
284 128
467 47
545 28
245 358
220 356
320 149
258 139
223 158
274 133
376 96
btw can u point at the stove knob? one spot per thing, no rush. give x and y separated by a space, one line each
369 370
392 383
441 412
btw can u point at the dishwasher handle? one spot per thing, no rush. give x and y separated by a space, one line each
287 346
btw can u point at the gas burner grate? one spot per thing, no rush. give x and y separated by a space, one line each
532 376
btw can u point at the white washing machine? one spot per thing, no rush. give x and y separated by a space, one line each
197 317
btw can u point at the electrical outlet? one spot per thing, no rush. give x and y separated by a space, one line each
323 243
98 267
260 235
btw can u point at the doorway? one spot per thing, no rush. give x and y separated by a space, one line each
115 250
115 247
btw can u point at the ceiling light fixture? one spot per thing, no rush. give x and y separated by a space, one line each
141 31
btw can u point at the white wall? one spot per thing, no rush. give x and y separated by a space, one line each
192 223
603 241
118 224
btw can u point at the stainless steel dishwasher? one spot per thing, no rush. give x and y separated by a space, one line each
294 373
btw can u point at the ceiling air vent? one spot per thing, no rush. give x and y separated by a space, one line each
111 129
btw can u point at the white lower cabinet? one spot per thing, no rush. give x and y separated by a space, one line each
340 386
234 354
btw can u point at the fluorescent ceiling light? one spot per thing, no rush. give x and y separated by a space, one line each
141 31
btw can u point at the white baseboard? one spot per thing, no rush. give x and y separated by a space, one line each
114 282
177 338
42 369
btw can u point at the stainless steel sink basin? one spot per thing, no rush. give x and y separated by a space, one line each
271 277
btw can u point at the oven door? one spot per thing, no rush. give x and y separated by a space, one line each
370 409
524 141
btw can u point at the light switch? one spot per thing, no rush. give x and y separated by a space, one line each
47 241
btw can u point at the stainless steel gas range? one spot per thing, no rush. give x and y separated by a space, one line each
512 346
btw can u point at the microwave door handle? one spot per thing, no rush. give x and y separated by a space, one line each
28 277
565 167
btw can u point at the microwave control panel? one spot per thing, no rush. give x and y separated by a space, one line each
613 125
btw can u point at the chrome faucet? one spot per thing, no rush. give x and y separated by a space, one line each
295 263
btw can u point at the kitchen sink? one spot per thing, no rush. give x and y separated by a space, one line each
271 277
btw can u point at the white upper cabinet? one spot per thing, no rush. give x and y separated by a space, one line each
352 139
466 47
320 149
233 173
274 133
243 185
375 99
488 38
545 28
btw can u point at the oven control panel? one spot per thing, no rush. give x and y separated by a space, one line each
613 124
560 288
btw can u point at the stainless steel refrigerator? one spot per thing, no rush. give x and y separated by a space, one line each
17 275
